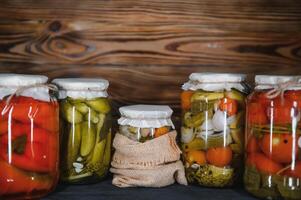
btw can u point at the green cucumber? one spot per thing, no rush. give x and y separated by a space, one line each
88 138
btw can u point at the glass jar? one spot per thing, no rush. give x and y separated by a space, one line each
144 122
85 125
273 142
29 137
213 111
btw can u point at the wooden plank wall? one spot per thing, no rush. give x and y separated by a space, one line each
148 48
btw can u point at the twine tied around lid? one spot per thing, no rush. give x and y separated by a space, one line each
279 89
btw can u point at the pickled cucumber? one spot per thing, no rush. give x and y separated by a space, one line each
88 131
193 120
74 142
92 116
100 105
70 113
206 96
82 108
236 95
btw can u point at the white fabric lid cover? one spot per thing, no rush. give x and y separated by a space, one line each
19 80
82 87
217 77
146 116
272 81
214 81
11 82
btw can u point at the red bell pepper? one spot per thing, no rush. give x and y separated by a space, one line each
33 149
28 110
14 181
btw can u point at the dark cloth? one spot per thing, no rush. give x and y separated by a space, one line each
105 190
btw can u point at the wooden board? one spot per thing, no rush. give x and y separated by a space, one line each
148 48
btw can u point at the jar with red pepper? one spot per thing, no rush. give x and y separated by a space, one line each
273 138
29 138
85 125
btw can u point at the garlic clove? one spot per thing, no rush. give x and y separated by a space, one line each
77 165
187 134
219 120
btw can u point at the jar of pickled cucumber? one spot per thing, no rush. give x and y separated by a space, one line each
145 122
85 125
273 138
213 112
29 137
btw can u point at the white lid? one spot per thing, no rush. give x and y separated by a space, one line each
146 116
272 81
217 77
82 87
10 83
214 81
18 80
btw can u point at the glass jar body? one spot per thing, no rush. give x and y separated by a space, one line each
273 159
212 136
29 147
85 126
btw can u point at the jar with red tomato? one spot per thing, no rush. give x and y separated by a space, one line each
213 112
85 125
273 142
29 137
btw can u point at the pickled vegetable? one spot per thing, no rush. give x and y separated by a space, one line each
212 137
86 139
273 146
29 141
143 134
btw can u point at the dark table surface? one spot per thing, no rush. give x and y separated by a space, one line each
105 190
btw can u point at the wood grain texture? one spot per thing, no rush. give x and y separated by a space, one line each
148 48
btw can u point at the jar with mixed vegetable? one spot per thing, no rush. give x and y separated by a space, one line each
144 122
85 125
29 137
212 130
273 142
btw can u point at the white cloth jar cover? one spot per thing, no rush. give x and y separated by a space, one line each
86 88
272 81
214 81
146 116
34 86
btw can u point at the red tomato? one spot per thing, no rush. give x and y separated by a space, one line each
280 112
253 145
263 164
256 113
294 171
229 105
219 156
14 181
279 147
294 95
